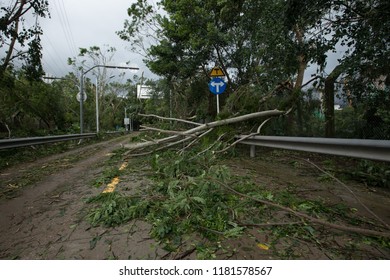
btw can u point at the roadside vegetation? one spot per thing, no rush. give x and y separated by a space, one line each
208 206
201 198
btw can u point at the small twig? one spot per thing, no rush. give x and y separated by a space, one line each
311 80
245 137
9 131
210 147
185 254
305 216
270 224
195 140
161 148
211 230
348 189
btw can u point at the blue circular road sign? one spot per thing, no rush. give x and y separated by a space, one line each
217 86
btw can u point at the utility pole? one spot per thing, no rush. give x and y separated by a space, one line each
82 74
97 107
82 99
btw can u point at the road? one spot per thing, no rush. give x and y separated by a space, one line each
45 214
46 220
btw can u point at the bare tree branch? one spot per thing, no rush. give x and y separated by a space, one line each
170 119
307 217
201 127
174 132
348 189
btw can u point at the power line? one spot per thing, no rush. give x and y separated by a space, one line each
65 29
70 30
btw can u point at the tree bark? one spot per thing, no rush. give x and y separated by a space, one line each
329 93
195 131
302 64
15 18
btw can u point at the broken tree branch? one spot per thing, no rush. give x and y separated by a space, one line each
170 119
246 137
202 127
174 132
210 147
307 217
348 189
195 140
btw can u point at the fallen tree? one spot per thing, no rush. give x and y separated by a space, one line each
193 133
192 193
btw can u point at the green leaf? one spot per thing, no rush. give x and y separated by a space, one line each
199 199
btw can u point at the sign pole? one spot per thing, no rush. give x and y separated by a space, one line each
81 101
217 104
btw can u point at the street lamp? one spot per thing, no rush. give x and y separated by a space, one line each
82 88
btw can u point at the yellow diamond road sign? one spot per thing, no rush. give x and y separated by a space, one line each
217 72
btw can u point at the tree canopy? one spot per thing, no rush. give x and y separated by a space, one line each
267 44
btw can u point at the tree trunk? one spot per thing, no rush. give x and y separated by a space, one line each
297 88
302 64
11 47
329 93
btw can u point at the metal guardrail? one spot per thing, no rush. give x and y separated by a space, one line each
357 148
29 141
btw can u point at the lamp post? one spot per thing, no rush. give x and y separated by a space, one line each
83 73
97 106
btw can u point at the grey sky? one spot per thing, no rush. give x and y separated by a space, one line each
84 23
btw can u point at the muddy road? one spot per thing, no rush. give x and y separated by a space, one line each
46 220
44 211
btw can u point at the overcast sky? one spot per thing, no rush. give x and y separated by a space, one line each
75 24
85 23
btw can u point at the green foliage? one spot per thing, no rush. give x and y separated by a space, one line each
194 201
184 198
188 199
372 173
106 177
39 108
266 45
111 170
10 157
23 43
114 209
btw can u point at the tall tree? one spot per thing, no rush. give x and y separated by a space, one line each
361 28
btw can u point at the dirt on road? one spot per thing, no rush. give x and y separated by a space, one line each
47 219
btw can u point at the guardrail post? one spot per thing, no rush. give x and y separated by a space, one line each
252 151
